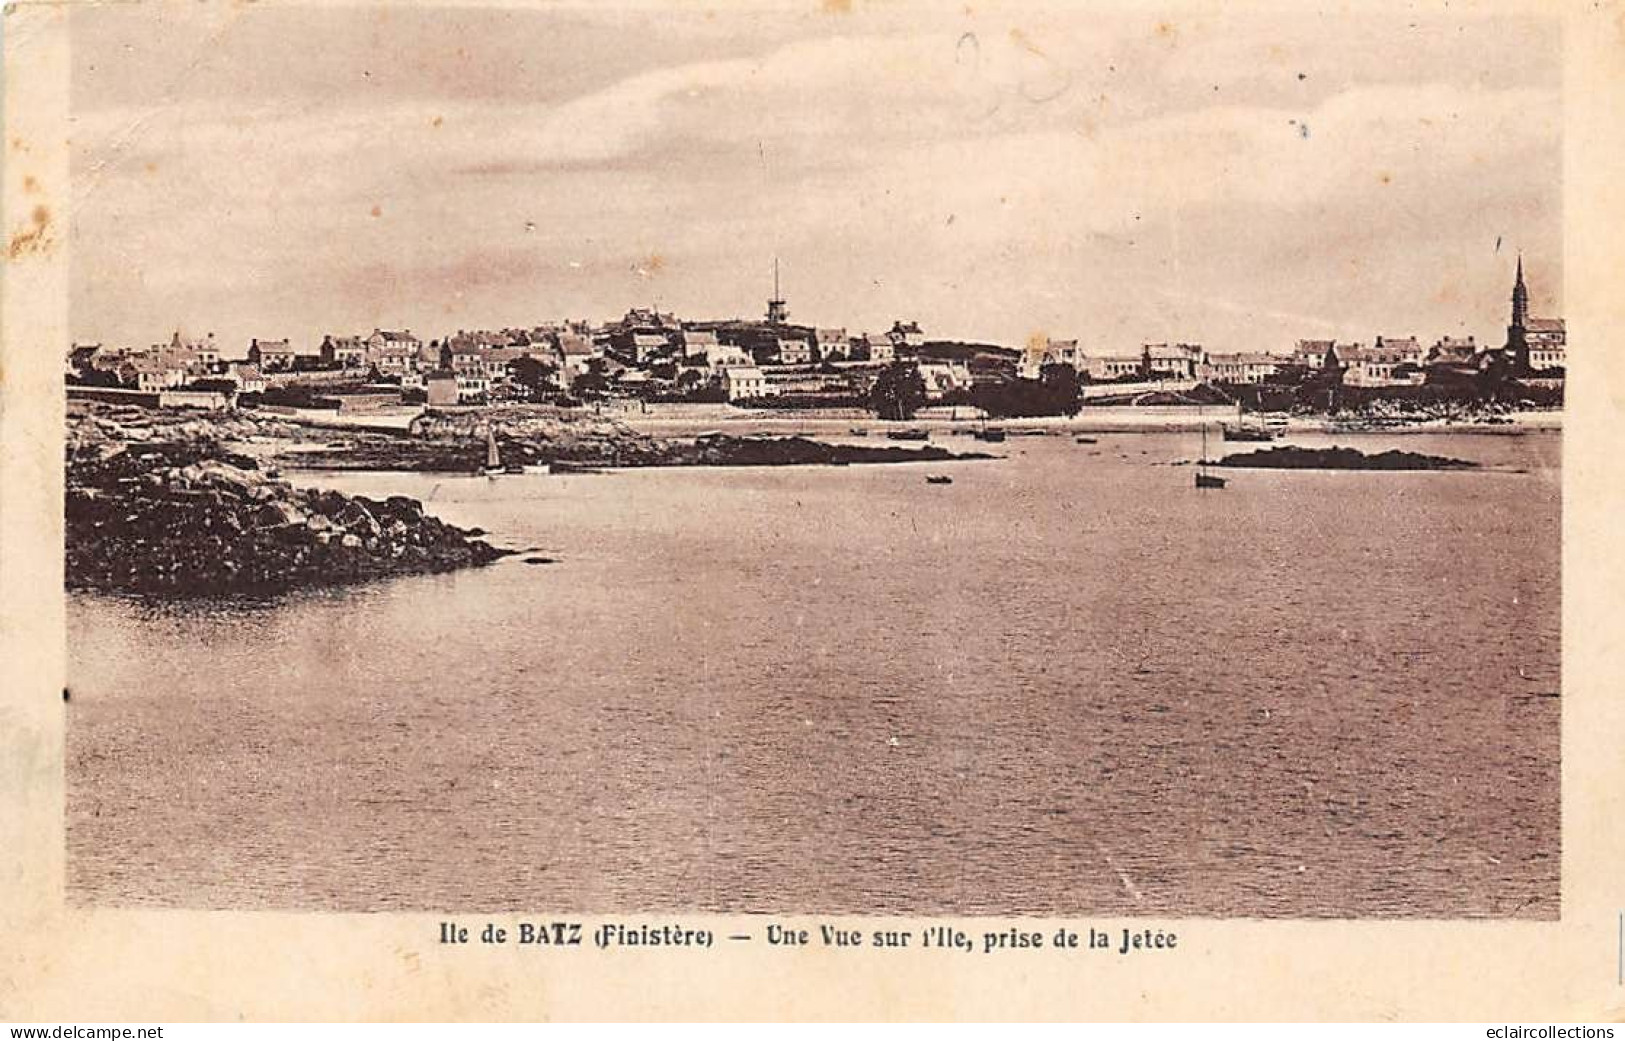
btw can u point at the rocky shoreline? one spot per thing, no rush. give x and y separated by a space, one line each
177 503
189 517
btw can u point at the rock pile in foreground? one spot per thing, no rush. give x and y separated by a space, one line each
188 518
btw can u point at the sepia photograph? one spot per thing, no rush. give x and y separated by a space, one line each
838 458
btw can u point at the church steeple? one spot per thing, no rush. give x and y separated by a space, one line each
1520 298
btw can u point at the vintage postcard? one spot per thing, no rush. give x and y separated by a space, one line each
800 510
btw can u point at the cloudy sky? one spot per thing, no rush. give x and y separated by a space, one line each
995 173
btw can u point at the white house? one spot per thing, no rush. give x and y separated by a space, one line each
881 349
726 355
151 372
744 381
698 342
941 378
793 351
247 376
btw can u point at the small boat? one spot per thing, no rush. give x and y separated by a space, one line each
538 468
938 479
1245 431
1205 480
493 460
858 432
1086 441
991 434
909 435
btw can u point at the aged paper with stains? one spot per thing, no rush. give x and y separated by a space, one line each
1053 735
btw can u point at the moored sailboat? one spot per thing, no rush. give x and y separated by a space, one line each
1245 431
493 459
1205 480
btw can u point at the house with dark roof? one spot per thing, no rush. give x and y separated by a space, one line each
1389 362
394 351
271 355
1242 367
246 376
832 344
878 348
343 352
697 341
792 350
906 335
1176 361
152 372
204 351
1311 354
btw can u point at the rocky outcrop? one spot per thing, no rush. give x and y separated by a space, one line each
191 518
1334 458
456 443
801 451
98 422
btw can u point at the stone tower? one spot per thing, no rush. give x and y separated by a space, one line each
777 312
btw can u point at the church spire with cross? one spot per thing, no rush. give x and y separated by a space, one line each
1520 299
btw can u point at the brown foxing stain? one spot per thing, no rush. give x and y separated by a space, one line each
436 121
377 211
1038 341
30 185
836 6
1167 32
1089 125
1020 39
1385 177
654 263
34 238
